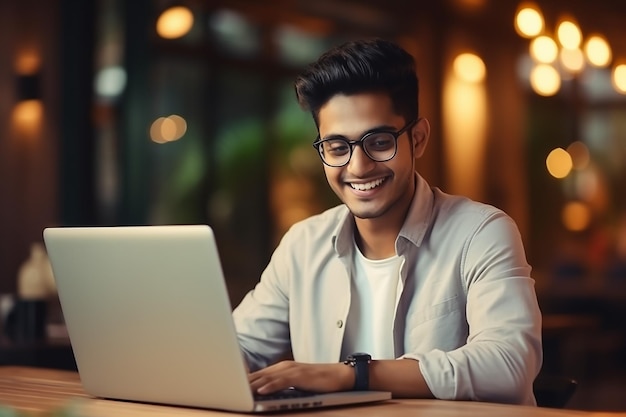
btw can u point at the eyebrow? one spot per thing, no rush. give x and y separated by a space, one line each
381 128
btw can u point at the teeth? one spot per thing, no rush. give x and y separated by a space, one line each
367 185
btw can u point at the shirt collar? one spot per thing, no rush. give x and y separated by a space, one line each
420 213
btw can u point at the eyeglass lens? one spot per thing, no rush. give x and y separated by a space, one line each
378 146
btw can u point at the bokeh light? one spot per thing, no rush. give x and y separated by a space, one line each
469 67
619 78
559 163
174 22
573 60
569 34
544 49
545 80
576 216
528 21
598 51
234 32
110 82
168 129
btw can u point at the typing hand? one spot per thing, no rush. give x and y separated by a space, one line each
326 377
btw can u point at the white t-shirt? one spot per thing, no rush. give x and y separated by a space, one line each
374 288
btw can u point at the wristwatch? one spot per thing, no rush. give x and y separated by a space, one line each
360 362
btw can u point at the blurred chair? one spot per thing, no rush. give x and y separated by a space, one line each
553 391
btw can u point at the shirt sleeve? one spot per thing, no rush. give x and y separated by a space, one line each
262 317
503 354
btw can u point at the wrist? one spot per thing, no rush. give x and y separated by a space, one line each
345 376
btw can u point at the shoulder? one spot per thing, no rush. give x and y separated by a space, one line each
320 226
488 240
478 231
462 213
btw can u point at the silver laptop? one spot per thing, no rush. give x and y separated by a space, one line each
149 319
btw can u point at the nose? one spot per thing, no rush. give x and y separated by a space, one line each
360 163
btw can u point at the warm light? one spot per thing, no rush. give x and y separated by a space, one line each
175 22
28 112
580 155
544 49
619 78
598 51
469 67
545 80
27 62
27 116
559 163
180 124
466 134
168 129
569 34
155 130
528 21
573 60
576 216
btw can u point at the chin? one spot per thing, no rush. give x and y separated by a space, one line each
367 213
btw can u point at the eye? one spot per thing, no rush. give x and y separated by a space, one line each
336 147
379 142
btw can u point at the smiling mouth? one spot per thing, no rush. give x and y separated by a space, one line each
368 185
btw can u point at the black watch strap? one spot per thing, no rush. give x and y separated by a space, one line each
361 364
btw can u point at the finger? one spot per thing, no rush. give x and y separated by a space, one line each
267 385
273 380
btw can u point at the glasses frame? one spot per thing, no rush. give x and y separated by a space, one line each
352 143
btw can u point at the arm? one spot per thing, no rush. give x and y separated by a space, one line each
402 377
503 352
262 317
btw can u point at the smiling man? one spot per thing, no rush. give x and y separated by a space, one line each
401 288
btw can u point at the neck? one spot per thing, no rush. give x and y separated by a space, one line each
376 237
375 241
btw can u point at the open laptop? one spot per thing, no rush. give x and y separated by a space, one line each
149 319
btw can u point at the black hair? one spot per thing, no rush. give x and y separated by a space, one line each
373 65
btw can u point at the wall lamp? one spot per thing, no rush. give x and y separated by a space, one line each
27 113
28 87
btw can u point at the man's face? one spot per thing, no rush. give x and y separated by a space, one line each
371 190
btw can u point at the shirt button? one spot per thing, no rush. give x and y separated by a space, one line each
339 324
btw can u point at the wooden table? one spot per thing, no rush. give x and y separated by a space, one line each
36 391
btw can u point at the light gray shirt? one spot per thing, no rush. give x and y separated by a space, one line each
467 309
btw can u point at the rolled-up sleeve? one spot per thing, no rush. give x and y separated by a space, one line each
503 353
262 317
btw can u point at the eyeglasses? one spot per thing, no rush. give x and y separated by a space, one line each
378 145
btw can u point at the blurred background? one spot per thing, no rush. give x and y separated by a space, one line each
141 112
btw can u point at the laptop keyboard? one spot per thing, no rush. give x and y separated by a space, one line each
284 394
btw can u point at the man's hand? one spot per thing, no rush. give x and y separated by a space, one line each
402 378
326 377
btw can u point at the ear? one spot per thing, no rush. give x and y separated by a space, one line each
420 134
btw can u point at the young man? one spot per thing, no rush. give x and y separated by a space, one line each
435 288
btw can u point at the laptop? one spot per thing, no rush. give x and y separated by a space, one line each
149 319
